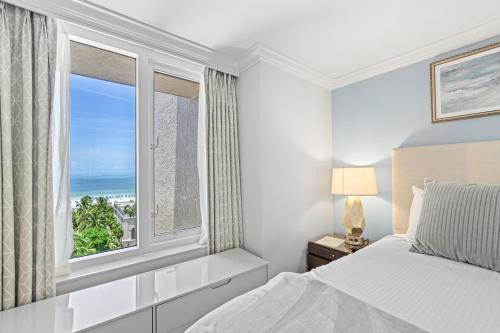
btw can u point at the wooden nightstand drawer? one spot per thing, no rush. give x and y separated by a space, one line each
313 261
324 252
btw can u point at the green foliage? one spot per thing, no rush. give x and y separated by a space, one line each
130 210
95 227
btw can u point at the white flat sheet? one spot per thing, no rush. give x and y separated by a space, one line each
436 294
292 302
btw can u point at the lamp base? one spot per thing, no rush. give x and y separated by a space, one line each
354 241
354 217
354 222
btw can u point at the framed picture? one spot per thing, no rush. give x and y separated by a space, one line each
466 85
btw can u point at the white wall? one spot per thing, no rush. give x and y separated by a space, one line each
286 158
248 94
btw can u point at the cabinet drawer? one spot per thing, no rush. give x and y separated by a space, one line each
325 253
179 313
141 321
313 262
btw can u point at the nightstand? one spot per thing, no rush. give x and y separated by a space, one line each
327 249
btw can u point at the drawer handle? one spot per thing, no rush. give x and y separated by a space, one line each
333 256
220 284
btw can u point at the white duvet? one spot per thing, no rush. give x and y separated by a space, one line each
292 302
431 293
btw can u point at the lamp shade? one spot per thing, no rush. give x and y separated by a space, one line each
354 181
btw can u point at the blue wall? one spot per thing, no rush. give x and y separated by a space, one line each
393 110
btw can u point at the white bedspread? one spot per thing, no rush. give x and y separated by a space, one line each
436 294
292 302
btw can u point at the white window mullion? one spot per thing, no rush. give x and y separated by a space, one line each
144 159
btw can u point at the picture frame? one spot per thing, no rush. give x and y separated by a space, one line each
466 85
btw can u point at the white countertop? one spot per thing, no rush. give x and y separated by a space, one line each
93 306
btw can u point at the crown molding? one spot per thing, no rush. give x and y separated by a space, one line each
94 17
462 39
261 53
91 16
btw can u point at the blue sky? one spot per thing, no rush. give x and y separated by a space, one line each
102 128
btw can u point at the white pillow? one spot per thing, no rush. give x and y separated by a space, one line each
415 210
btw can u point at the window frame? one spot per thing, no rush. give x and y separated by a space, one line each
117 50
148 60
157 67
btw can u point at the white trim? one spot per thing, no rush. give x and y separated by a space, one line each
203 162
91 272
191 73
477 34
103 258
260 53
95 17
92 16
102 46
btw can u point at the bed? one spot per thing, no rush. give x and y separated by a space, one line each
383 287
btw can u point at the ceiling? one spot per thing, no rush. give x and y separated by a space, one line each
332 37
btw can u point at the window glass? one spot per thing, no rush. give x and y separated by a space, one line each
102 150
176 191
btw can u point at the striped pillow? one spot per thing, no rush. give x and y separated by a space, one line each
460 222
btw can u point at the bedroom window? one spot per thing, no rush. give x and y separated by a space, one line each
176 190
133 148
102 150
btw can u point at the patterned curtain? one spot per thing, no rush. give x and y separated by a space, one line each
27 63
225 229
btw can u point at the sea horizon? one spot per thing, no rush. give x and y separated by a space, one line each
108 186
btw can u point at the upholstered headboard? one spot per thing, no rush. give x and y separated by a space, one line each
477 162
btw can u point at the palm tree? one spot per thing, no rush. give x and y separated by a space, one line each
130 210
95 226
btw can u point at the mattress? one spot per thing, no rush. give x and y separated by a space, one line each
435 294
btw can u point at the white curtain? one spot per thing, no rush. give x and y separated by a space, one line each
225 225
27 66
63 228
202 161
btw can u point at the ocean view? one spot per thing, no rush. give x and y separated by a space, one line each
102 161
102 139
105 186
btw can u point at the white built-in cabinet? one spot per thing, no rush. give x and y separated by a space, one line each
138 322
178 314
166 300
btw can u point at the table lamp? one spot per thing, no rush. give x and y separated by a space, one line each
354 182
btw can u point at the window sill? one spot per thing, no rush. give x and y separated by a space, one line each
91 275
